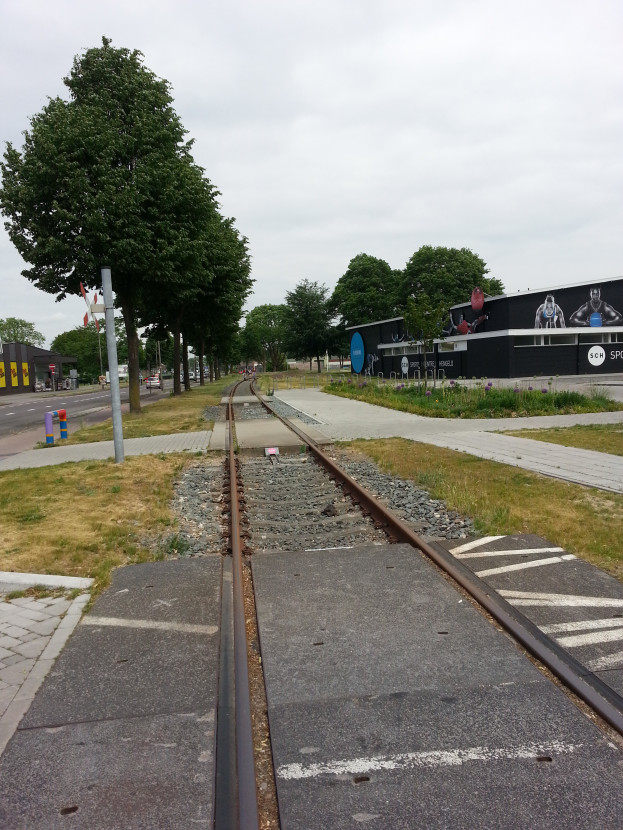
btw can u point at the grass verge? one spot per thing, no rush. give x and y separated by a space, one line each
504 500
598 437
86 518
184 413
450 399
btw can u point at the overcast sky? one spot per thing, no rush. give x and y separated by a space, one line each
335 127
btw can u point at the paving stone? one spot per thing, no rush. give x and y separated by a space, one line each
34 648
46 627
31 614
16 631
17 673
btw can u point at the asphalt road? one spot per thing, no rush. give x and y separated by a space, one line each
26 411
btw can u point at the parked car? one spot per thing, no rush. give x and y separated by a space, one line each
154 382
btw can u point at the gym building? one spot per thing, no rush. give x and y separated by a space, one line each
569 330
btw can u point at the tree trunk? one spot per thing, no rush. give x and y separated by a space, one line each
133 367
318 362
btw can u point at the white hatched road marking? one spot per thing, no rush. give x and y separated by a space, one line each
595 632
575 640
515 552
476 544
156 625
559 600
580 625
438 758
522 566
611 661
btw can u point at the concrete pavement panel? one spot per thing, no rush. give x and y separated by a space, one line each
122 732
393 702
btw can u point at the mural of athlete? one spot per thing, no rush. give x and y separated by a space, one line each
596 312
549 315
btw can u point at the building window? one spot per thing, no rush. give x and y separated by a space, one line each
559 339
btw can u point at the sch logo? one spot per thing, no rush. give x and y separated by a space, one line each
596 355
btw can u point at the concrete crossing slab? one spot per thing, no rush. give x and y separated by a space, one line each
577 604
129 708
393 702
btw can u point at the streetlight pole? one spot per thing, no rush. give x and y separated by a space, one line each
113 366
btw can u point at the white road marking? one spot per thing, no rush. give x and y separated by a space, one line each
9 413
560 600
157 625
591 639
314 550
430 760
522 566
476 544
30 410
580 625
517 552
610 662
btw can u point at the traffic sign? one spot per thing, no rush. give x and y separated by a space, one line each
52 368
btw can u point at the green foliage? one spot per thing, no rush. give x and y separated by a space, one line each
15 330
83 343
264 335
107 178
450 399
307 321
423 320
445 275
366 292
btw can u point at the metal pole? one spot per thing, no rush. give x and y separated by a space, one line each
113 366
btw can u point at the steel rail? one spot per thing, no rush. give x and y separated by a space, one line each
580 680
247 785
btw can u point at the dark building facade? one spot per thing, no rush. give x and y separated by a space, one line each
27 369
568 330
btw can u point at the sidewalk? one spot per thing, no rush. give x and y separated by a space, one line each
177 442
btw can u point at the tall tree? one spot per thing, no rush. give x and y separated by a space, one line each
84 343
445 275
265 325
16 330
366 292
307 320
94 182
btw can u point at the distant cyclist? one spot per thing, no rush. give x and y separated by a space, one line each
596 312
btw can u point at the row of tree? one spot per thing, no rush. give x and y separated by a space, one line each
107 178
311 323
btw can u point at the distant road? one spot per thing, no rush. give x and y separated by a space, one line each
25 411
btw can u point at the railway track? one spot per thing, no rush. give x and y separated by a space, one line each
307 501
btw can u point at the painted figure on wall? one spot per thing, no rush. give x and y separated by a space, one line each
596 312
549 315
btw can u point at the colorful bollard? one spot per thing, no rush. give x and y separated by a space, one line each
61 414
49 432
